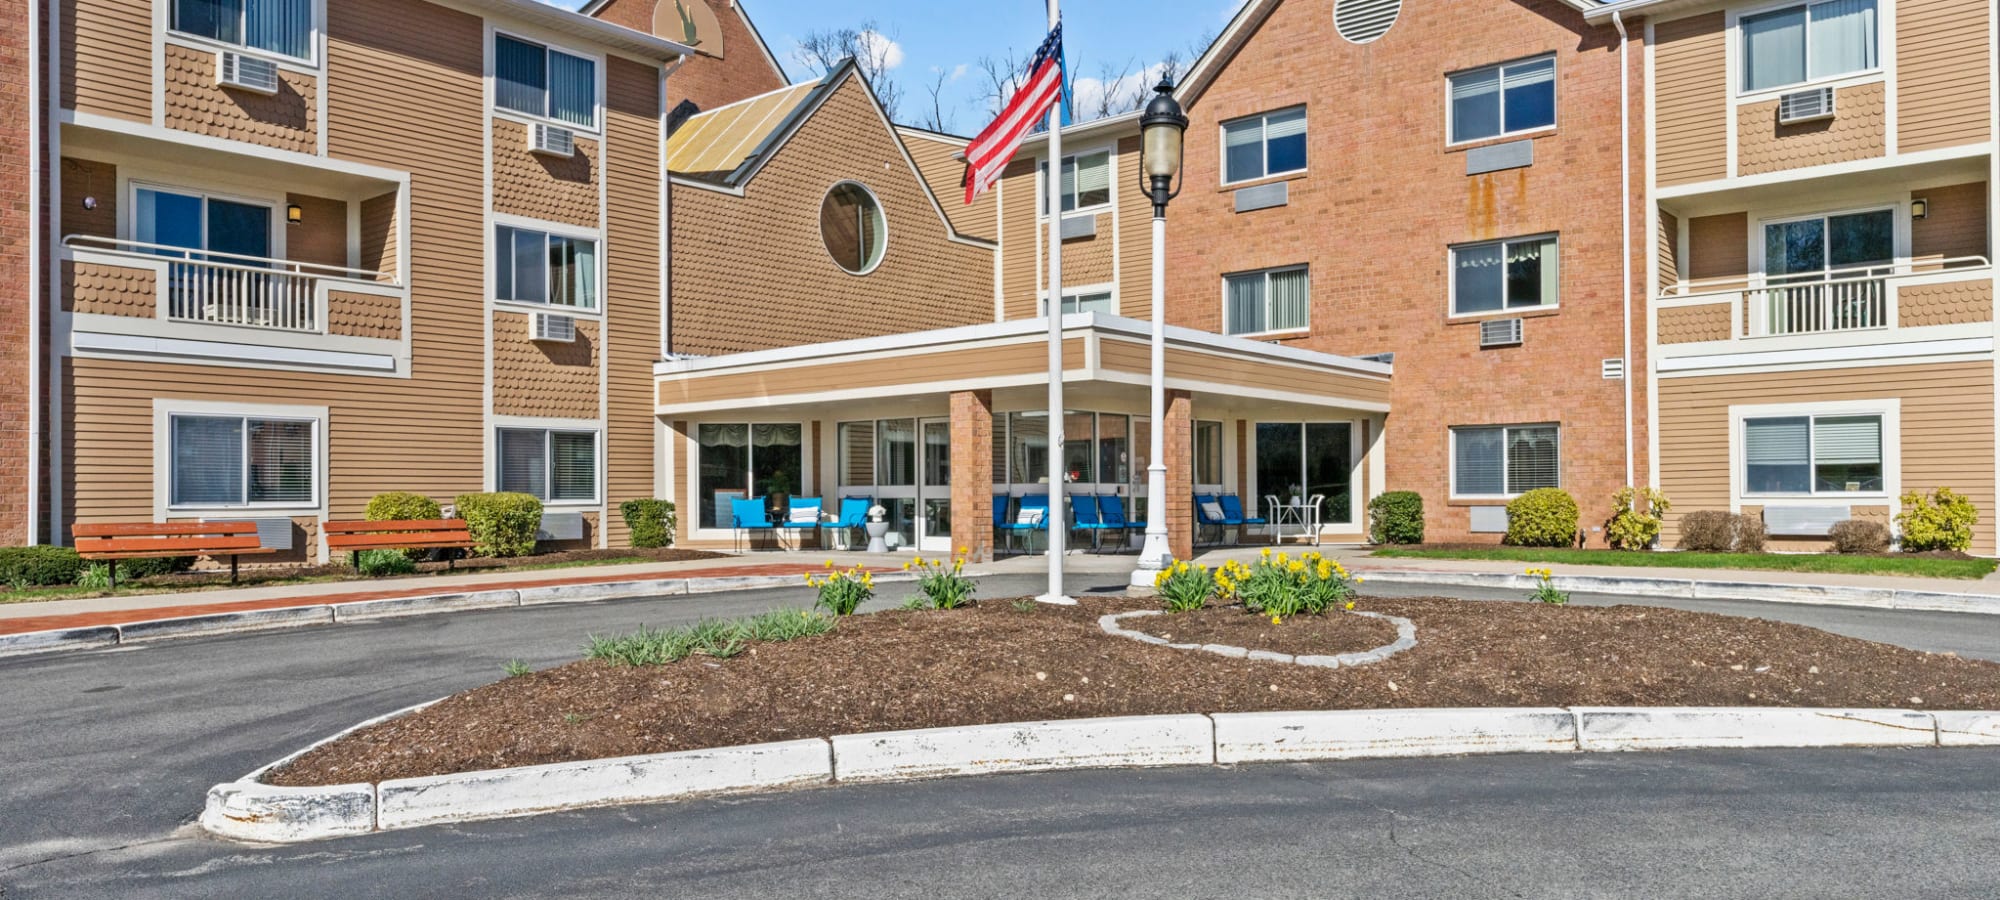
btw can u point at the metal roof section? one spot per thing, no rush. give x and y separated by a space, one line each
717 145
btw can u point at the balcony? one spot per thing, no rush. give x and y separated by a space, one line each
212 288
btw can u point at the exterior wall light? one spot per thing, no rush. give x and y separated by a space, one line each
1920 208
294 214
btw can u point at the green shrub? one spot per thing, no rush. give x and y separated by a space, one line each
1545 517
1396 517
1635 524
502 524
39 566
146 567
95 577
1720 531
1859 536
379 563
1941 521
650 522
404 505
1182 587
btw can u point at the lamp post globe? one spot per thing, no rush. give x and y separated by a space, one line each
1161 129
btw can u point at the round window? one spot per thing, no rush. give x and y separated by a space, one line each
1361 21
851 224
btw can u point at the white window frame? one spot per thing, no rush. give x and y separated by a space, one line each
1555 107
597 78
1253 492
1264 141
549 428
1194 465
1891 411
1738 55
314 38
164 412
808 460
881 212
1898 215
1266 274
1451 457
1077 292
556 229
1042 187
1505 311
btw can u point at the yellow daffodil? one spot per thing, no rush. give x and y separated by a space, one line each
1267 553
1350 604
1275 620
906 567
829 564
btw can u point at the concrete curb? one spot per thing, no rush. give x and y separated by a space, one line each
250 810
1406 637
1691 589
100 636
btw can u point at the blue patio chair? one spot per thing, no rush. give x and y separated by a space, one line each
1000 518
853 517
750 517
803 515
1112 508
1208 513
1085 516
1030 516
1232 508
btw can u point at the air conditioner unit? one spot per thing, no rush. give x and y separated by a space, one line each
552 327
551 139
249 73
1499 333
1805 106
1614 368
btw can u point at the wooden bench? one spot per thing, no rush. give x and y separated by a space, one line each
139 540
397 534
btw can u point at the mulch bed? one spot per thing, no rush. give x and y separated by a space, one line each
1231 626
342 568
998 663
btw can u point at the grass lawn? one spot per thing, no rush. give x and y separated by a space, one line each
1916 566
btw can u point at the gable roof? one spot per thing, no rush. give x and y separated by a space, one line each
592 8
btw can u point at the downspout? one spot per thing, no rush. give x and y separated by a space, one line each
35 264
1625 220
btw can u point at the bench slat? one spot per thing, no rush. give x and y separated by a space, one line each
394 525
397 541
145 529
110 554
190 546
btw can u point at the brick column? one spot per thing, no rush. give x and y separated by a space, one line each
972 473
1179 454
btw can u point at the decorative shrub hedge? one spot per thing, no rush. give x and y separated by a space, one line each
1721 531
502 524
1635 522
1396 517
1859 536
394 505
650 521
377 563
1544 517
1941 521
39 566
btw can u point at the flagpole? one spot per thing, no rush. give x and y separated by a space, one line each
1058 516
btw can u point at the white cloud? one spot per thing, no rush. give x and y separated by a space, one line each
879 46
1124 93
959 71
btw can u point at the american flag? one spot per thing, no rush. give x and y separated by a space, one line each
988 154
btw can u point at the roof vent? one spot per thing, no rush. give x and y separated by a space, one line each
249 73
1805 106
1362 21
1499 333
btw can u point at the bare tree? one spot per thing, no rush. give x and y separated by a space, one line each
1004 75
872 51
1116 94
937 120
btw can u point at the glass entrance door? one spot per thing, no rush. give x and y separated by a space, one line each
934 486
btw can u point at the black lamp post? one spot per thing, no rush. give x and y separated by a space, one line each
1161 129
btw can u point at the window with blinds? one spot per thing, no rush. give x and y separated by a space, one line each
1808 42
1498 276
857 454
539 81
1086 182
553 466
242 461
1803 455
1271 300
1264 145
283 27
537 267
1505 460
1510 98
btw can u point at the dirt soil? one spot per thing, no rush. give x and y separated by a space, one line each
996 663
1232 626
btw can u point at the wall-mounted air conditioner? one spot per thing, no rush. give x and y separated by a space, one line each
1499 333
552 327
1805 106
248 73
553 140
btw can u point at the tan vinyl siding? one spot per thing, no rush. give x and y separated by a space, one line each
1691 99
1690 324
107 58
286 120
1942 71
1857 131
1718 246
1135 357
556 379
903 371
1135 240
1947 429
379 250
1667 252
1949 303
364 315
1020 264
1956 226
946 177
539 186
89 178
632 294
104 290
320 237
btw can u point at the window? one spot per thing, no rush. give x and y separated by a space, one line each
533 79
1270 144
283 27
1808 42
194 221
1812 455
1272 300
554 466
735 461
1502 461
896 453
242 461
1029 434
852 226
1504 275
1087 302
1086 182
1810 247
1505 99
538 267
1208 453
1303 460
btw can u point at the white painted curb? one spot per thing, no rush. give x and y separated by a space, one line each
226 623
397 607
1025 747
1695 589
1370 733
88 638
502 793
1637 728
253 811
1968 729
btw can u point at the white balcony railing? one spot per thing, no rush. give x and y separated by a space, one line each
1852 299
231 289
